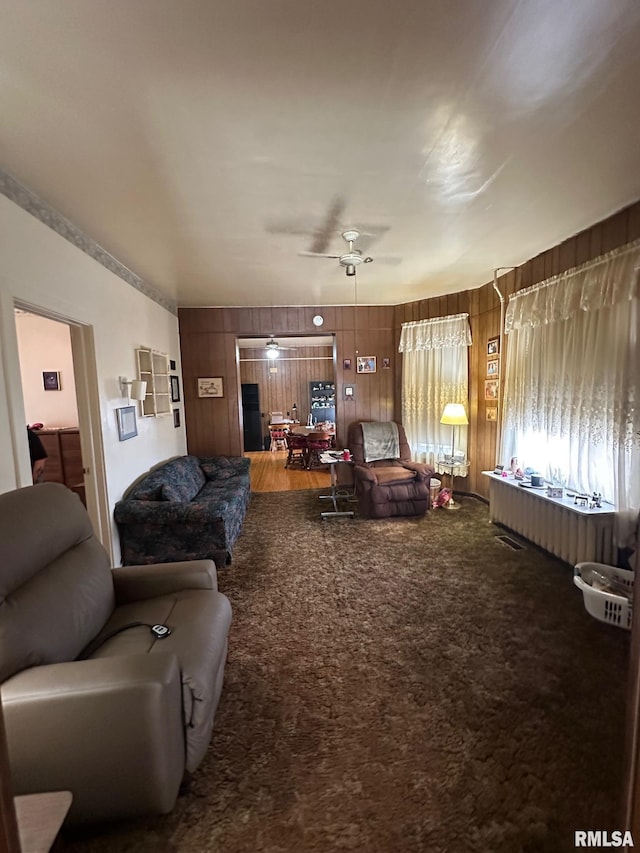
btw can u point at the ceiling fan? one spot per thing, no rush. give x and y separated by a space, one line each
273 348
351 258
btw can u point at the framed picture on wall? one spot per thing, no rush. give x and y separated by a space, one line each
493 346
492 368
210 387
366 363
491 389
175 389
386 362
346 364
51 380
491 413
349 392
176 418
127 425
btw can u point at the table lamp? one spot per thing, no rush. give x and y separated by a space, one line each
454 414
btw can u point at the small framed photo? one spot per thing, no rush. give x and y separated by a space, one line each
172 364
51 380
210 387
349 392
175 389
346 364
366 363
491 413
127 425
492 368
493 346
491 389
386 362
176 418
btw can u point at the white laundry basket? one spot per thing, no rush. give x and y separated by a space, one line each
605 606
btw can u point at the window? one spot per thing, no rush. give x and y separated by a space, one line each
434 372
571 387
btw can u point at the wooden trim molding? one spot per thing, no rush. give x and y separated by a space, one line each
9 839
49 216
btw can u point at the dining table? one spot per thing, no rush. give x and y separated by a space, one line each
299 429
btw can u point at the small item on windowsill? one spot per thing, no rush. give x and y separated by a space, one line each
554 491
581 500
499 469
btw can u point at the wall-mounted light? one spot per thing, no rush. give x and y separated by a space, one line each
135 389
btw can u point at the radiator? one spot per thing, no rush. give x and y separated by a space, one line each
574 534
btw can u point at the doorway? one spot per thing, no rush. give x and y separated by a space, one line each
59 388
282 379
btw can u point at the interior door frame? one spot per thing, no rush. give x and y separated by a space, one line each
89 420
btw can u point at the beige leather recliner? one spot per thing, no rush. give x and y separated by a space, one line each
118 717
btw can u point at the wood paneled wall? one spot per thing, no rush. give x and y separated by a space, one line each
296 368
208 345
208 348
483 307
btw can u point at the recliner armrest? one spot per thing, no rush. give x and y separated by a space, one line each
136 583
109 730
364 474
422 469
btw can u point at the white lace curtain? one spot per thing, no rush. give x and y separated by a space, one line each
434 373
572 378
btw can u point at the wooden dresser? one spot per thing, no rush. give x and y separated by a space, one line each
64 462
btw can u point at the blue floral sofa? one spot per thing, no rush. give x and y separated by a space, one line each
189 508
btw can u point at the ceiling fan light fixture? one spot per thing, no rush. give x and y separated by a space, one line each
350 269
351 259
272 348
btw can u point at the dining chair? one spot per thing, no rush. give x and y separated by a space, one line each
317 443
278 438
298 450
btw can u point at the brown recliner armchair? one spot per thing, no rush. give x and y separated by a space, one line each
93 701
387 486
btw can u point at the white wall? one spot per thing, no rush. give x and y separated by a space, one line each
41 269
45 344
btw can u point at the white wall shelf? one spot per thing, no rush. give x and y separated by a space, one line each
153 368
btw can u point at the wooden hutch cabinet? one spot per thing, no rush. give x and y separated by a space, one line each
64 458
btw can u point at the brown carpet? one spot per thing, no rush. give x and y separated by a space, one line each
399 686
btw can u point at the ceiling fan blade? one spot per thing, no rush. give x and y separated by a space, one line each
287 227
317 255
330 227
389 261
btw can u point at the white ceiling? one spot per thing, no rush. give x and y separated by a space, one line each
205 144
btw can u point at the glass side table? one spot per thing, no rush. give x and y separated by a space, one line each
459 468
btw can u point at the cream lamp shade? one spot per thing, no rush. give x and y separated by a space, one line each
135 389
138 390
454 414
